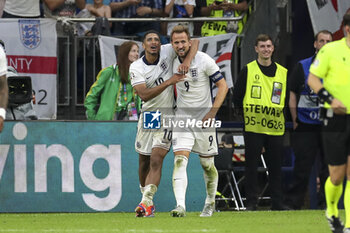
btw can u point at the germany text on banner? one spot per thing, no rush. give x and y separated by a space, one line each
31 50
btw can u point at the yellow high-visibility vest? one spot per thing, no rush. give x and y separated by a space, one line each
264 99
219 27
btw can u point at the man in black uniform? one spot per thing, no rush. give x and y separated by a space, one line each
306 138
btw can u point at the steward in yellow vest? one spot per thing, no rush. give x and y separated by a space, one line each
261 91
220 8
264 100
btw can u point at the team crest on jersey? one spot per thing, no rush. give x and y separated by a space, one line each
132 75
29 31
164 66
194 73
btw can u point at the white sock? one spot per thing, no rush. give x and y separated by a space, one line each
149 191
210 177
180 179
142 189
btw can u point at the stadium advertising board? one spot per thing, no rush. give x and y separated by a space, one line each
79 167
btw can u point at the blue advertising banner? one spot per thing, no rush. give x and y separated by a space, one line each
59 166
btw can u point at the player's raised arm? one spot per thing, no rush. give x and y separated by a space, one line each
146 93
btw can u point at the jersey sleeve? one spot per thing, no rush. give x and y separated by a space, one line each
320 65
168 50
3 63
136 77
212 69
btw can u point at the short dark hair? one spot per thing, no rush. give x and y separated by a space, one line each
149 32
262 37
323 32
346 19
180 29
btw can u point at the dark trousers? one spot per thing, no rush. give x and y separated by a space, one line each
273 145
307 145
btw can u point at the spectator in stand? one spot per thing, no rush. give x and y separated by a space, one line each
180 9
135 9
220 8
62 8
98 9
112 97
21 9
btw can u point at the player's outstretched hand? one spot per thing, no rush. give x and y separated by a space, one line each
177 78
183 68
210 116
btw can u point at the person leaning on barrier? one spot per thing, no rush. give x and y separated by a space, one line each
306 138
101 26
21 9
98 9
180 9
62 8
3 88
135 9
332 65
220 8
261 91
112 90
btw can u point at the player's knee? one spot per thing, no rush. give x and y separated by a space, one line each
156 162
207 163
180 160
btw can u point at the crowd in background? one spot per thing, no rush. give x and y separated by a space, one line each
133 9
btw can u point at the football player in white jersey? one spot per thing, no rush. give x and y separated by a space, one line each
194 103
153 79
3 87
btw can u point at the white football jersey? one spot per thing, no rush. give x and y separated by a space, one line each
153 75
195 90
3 62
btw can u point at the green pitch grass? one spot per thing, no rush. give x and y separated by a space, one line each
237 222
